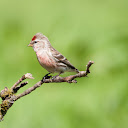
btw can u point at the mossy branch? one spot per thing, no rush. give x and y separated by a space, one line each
9 95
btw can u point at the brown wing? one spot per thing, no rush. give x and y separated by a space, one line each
61 59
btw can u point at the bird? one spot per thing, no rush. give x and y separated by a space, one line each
48 57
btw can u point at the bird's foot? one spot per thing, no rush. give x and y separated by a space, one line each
46 77
54 77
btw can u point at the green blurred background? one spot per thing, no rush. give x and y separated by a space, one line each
81 30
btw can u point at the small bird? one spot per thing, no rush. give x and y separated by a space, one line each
48 57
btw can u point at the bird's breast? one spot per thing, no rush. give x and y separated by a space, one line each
46 61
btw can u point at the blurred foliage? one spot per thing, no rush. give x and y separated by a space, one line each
81 30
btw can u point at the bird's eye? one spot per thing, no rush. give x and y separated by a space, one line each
35 41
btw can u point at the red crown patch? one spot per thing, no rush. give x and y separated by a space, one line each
34 37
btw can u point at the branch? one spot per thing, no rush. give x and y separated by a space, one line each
26 76
38 84
9 95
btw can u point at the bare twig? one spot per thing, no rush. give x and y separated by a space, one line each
19 86
26 76
8 95
38 84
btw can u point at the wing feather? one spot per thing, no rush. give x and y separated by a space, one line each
61 59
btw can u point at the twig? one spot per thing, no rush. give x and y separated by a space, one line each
26 76
19 86
8 95
38 84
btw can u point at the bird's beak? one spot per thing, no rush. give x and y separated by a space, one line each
30 45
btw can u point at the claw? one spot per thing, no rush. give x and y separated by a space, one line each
46 77
54 77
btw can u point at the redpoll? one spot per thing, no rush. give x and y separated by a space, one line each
48 57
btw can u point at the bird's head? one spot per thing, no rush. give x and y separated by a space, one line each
39 41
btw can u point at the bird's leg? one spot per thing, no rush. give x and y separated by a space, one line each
56 75
46 76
